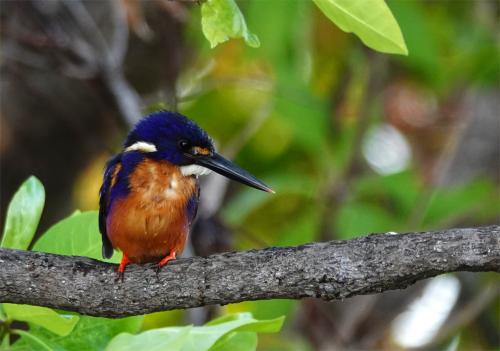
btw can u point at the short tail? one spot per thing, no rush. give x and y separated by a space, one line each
107 248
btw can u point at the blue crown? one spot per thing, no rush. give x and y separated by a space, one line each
162 126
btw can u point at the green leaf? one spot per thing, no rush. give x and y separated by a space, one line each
208 336
222 20
268 309
77 234
59 324
151 340
23 215
203 338
241 341
215 335
371 20
90 333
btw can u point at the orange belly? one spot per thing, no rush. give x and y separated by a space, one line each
152 220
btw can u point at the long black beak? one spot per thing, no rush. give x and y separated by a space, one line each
219 164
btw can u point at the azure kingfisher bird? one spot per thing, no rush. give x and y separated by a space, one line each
150 191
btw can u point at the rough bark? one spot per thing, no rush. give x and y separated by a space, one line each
329 270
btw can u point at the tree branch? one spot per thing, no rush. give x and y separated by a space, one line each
330 270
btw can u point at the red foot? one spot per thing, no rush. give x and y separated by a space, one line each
125 261
164 261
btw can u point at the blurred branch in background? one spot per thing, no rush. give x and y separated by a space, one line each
332 270
70 40
338 187
64 94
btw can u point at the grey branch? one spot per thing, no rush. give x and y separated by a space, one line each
329 270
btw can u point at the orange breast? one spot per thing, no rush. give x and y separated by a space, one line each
151 220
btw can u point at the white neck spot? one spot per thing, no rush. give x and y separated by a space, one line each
141 146
194 170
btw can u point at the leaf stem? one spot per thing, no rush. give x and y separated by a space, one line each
32 337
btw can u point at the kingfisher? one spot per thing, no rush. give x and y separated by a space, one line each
150 191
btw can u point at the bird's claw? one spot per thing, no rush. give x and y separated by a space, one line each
119 277
157 271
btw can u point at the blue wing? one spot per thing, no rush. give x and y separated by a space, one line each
107 247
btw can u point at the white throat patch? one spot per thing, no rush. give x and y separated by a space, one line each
141 146
194 170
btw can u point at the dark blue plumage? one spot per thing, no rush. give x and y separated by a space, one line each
104 201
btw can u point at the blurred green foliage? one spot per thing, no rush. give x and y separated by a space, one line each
306 143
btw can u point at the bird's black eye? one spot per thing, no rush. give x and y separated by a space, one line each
184 144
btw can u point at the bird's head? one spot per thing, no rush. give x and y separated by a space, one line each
172 137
